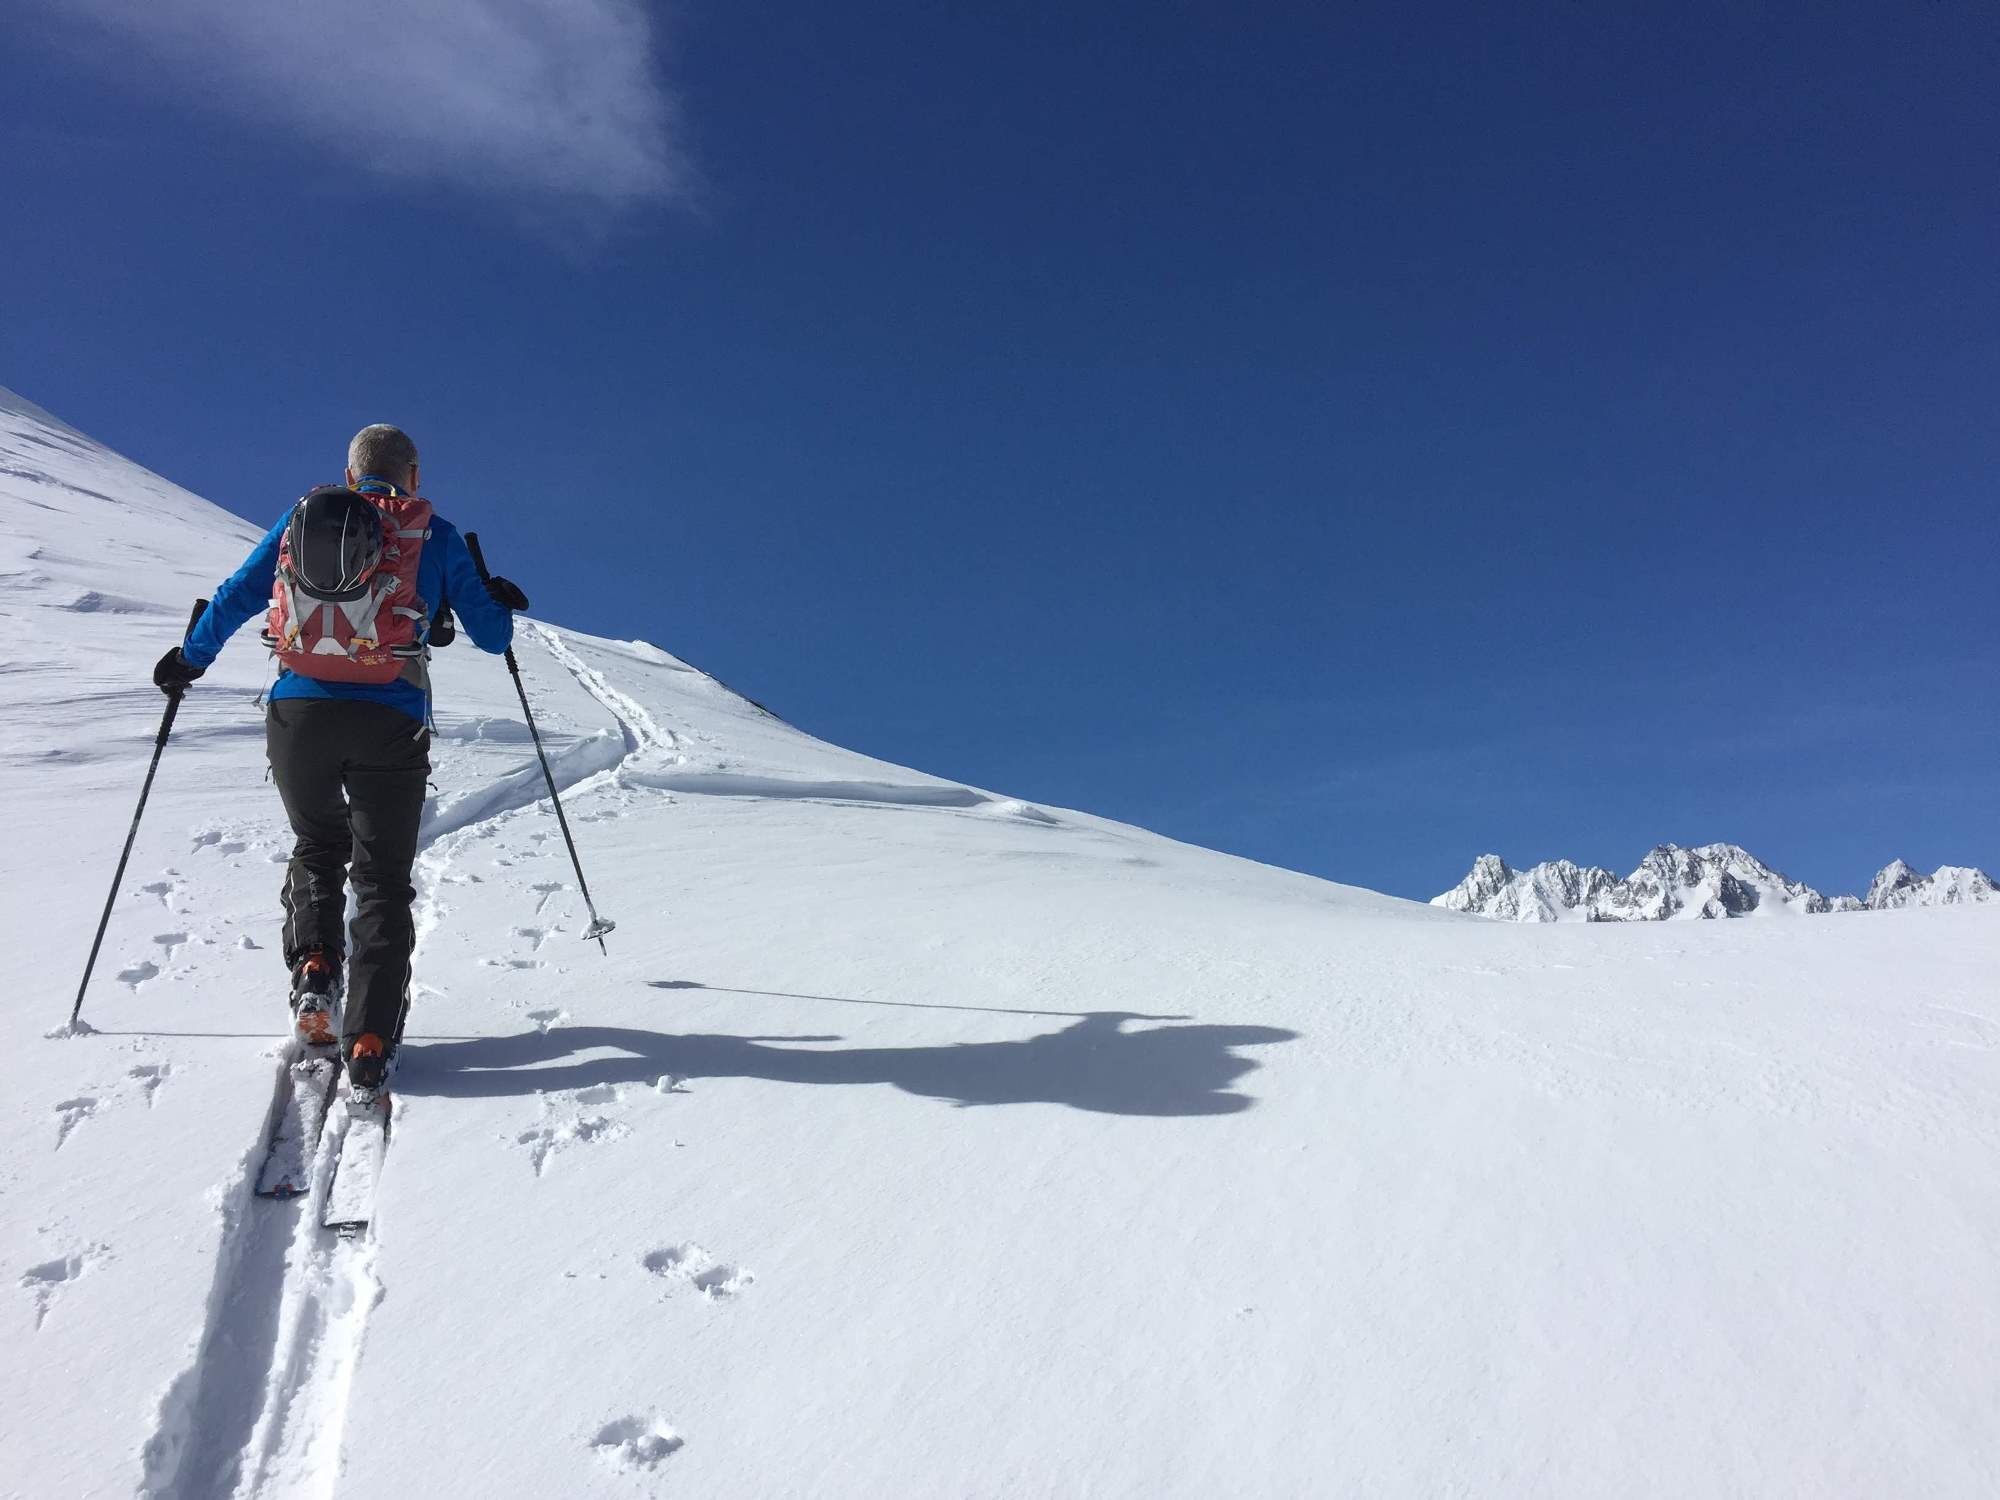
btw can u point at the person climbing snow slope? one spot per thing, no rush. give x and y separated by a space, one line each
351 581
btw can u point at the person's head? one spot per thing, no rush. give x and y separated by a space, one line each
387 453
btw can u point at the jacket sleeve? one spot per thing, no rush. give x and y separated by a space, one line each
490 625
244 593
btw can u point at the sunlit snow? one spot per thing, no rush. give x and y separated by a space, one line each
914 1140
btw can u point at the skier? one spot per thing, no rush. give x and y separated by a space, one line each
353 580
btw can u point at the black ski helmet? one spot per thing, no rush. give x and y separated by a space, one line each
334 539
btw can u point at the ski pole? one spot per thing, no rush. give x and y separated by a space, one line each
598 925
159 744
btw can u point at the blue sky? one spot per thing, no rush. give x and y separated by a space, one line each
1356 438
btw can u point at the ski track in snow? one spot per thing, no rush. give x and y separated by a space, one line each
641 730
260 1411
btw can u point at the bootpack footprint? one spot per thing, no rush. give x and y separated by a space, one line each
690 1263
45 1282
637 1444
146 1078
71 1113
579 1129
535 937
149 1077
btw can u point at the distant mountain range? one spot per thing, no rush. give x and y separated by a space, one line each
1715 880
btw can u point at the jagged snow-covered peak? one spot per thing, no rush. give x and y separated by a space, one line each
1899 886
1554 891
1712 880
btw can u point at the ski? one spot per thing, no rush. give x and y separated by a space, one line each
364 1142
305 1092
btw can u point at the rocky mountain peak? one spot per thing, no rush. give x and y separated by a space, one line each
1704 882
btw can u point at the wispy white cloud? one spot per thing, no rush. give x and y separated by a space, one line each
555 98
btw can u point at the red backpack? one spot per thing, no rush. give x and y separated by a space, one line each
374 632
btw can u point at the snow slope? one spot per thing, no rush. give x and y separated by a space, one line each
916 1141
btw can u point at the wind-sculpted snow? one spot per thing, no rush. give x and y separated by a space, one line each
571 763
915 1140
1716 880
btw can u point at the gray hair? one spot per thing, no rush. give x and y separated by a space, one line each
384 451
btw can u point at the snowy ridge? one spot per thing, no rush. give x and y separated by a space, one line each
76 510
1898 886
916 1140
1714 880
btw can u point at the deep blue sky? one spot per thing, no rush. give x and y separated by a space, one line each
1357 439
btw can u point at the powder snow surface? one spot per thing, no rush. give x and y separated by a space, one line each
916 1141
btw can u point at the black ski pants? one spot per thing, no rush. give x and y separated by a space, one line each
352 775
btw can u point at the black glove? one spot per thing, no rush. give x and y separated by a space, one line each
505 594
175 672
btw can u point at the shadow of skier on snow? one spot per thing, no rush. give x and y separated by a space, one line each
1095 1064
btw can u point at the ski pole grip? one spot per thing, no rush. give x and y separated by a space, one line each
479 562
174 697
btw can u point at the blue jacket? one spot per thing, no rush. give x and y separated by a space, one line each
446 574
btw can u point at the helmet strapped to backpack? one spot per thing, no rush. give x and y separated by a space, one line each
333 544
344 605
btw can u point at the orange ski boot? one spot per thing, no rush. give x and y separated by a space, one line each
315 992
367 1065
